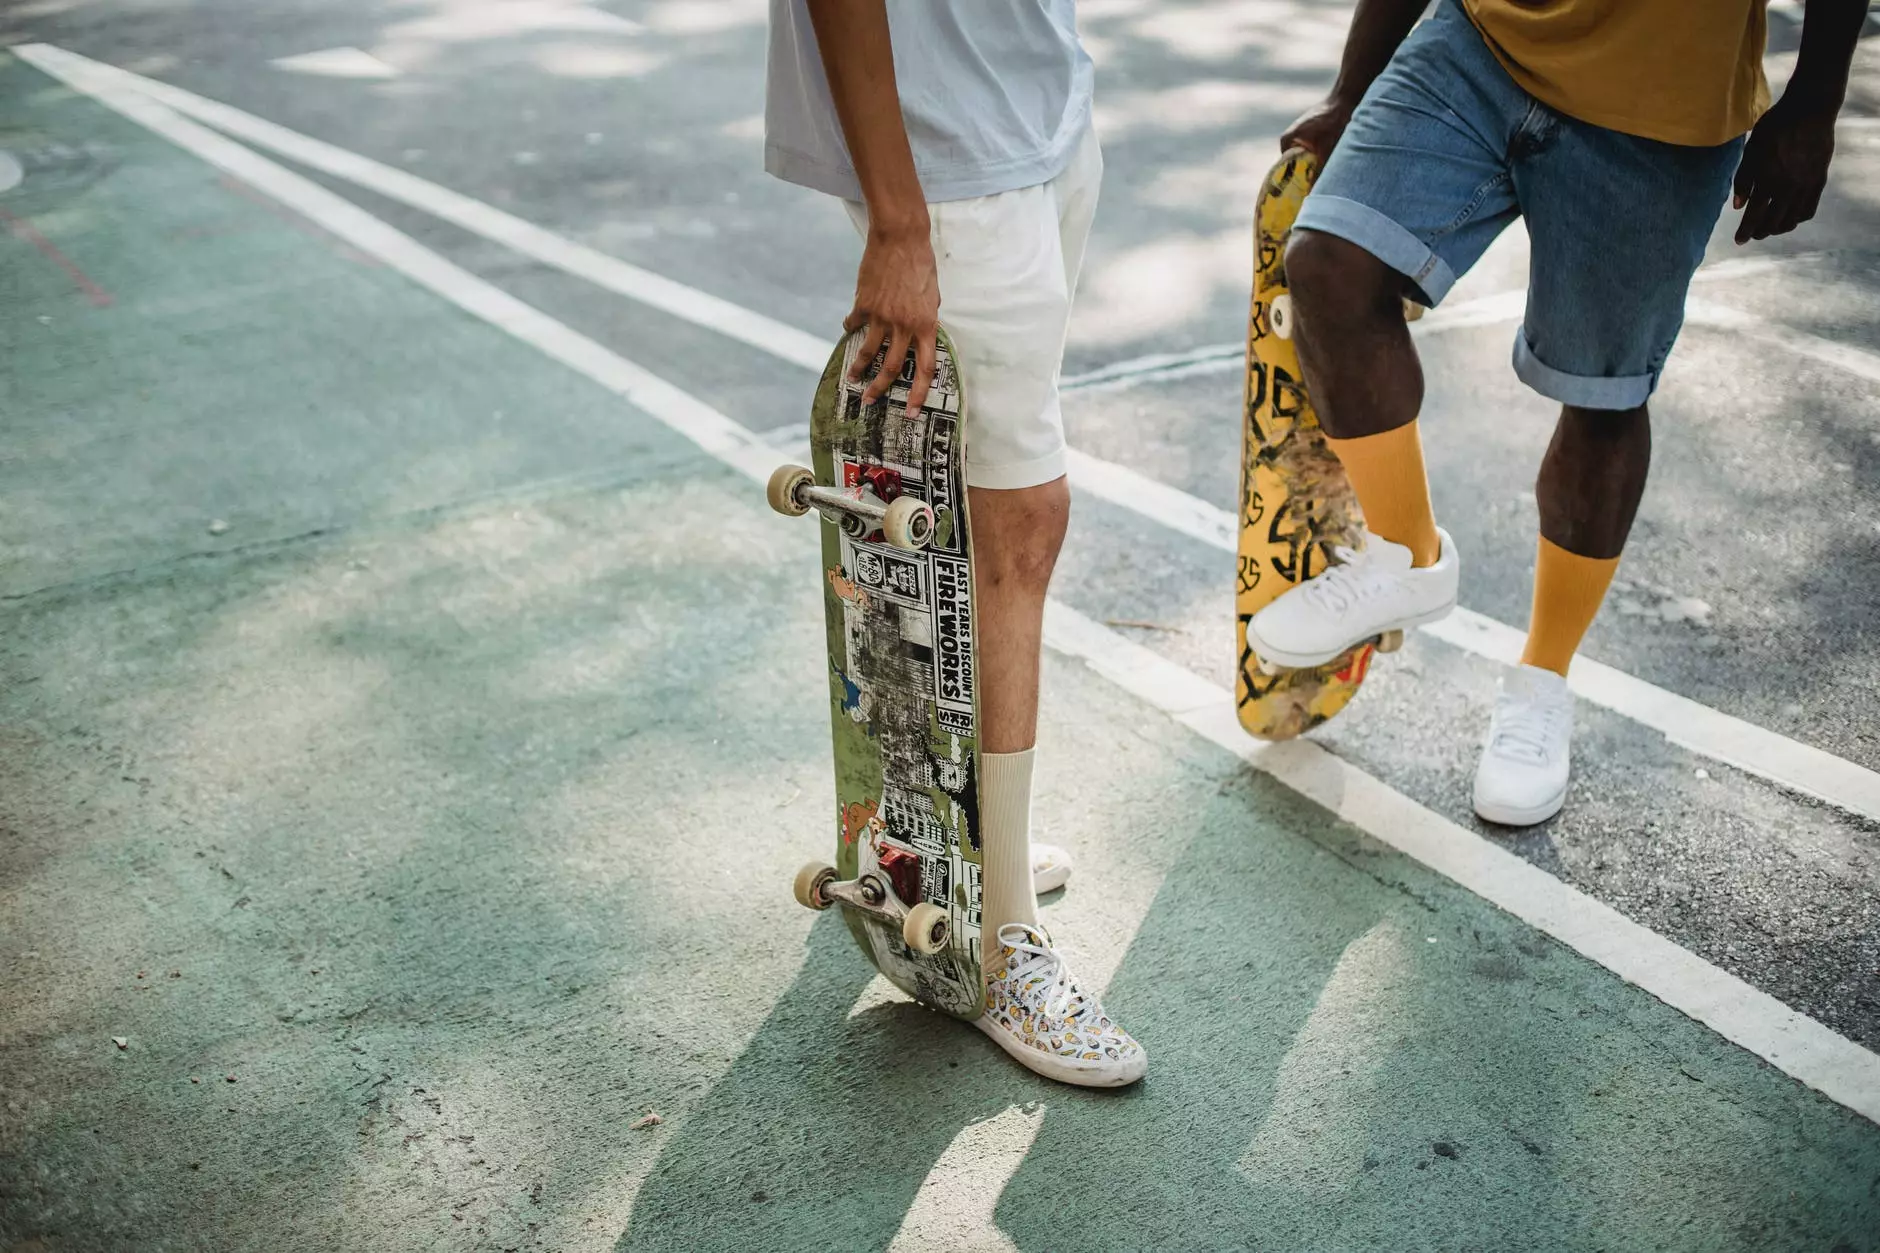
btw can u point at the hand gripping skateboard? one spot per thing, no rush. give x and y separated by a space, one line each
898 610
1296 505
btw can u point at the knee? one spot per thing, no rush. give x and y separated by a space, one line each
1017 535
1334 280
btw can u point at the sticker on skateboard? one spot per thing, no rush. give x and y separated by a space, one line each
903 697
1296 505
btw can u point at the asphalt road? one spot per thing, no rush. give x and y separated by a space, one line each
635 129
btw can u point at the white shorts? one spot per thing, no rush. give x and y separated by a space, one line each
1008 269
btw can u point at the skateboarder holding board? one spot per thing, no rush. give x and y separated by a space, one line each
1617 128
958 136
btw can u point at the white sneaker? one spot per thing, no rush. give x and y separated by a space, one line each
1372 590
1050 868
1523 776
1036 1012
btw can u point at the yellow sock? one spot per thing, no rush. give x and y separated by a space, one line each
1387 473
1567 591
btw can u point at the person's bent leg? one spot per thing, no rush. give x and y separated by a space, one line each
1415 190
1365 382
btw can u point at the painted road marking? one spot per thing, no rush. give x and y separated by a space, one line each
26 231
1687 723
610 273
336 63
1225 358
1794 1043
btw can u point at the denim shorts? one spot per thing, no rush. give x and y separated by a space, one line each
1445 150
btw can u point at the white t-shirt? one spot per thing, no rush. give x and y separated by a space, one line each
995 95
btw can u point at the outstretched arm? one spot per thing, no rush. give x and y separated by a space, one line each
1376 29
1785 163
897 289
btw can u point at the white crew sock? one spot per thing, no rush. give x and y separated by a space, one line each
1005 845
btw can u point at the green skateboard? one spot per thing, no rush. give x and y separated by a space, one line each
898 608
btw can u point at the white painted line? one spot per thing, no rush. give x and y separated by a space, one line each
336 63
1793 1042
1226 358
1857 361
1686 723
1161 366
712 431
1229 357
611 273
1691 725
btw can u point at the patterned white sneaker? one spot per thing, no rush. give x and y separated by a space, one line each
1050 868
1036 1012
1372 590
1525 762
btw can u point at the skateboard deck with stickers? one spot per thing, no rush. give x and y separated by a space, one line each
1296 504
897 581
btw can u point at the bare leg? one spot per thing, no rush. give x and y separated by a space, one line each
1592 478
1366 383
1589 488
1016 538
1361 367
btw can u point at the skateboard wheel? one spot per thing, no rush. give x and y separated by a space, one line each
926 928
1270 668
1279 315
1390 641
1411 310
782 490
908 523
810 882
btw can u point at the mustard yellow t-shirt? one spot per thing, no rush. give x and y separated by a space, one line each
1680 71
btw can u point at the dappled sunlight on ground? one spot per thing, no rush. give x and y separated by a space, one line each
1297 36
1192 107
417 42
1160 286
699 17
576 60
1331 1074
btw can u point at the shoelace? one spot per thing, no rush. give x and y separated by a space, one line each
1525 729
1353 579
1029 961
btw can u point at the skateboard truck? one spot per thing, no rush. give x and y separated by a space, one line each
925 927
873 504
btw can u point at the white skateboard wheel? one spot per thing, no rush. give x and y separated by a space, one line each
908 523
1390 641
785 482
1279 315
926 928
809 885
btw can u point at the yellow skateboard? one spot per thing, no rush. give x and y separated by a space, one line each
1296 505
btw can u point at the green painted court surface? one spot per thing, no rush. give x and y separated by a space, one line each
405 747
